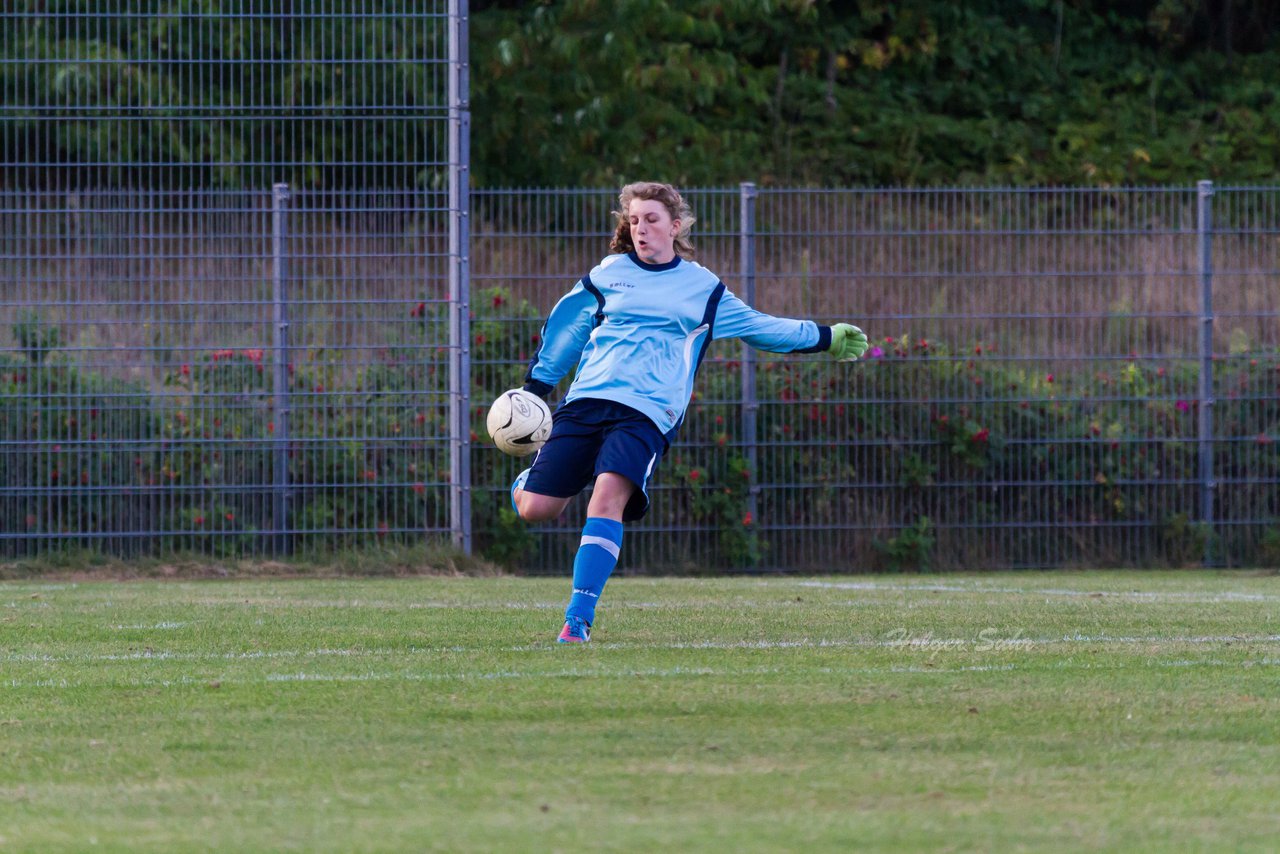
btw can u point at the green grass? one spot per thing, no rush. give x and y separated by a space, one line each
1120 711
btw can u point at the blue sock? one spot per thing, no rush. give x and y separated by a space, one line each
597 555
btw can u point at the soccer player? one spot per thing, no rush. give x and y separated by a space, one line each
636 327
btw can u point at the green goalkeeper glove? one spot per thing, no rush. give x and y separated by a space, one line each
848 342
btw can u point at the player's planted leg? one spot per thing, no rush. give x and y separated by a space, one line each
596 558
576 630
597 554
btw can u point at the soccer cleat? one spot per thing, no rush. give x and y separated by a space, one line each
576 630
518 483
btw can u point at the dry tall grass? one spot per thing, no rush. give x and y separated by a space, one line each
135 286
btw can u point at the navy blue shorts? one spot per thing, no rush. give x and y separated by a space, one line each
590 437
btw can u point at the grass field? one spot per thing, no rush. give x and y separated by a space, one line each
1130 711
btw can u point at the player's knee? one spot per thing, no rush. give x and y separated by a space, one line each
537 508
524 510
611 495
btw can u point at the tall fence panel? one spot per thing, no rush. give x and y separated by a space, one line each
225 281
1244 469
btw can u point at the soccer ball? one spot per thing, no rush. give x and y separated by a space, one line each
519 422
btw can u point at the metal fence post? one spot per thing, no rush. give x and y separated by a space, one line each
459 279
1204 227
750 405
280 522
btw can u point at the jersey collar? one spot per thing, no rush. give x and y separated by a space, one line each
653 268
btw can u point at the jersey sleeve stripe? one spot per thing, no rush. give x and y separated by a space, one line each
708 324
595 292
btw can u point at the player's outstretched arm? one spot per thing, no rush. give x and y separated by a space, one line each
564 336
848 342
735 319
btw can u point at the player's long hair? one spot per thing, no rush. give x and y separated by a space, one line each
671 200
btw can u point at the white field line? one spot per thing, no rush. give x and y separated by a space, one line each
379 604
980 643
881 587
1140 595
154 626
924 642
302 605
628 673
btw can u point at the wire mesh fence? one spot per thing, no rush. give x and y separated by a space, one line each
217 221
1041 390
248 305
1034 396
153 93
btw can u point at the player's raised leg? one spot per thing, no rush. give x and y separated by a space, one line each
532 506
517 485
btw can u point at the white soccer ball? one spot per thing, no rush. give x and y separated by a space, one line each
519 422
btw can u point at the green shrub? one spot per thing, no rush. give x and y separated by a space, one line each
919 457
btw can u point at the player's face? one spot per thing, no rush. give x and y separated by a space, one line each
653 231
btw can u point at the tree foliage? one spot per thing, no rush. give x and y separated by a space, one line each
818 92
212 93
917 93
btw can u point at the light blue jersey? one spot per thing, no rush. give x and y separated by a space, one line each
638 332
